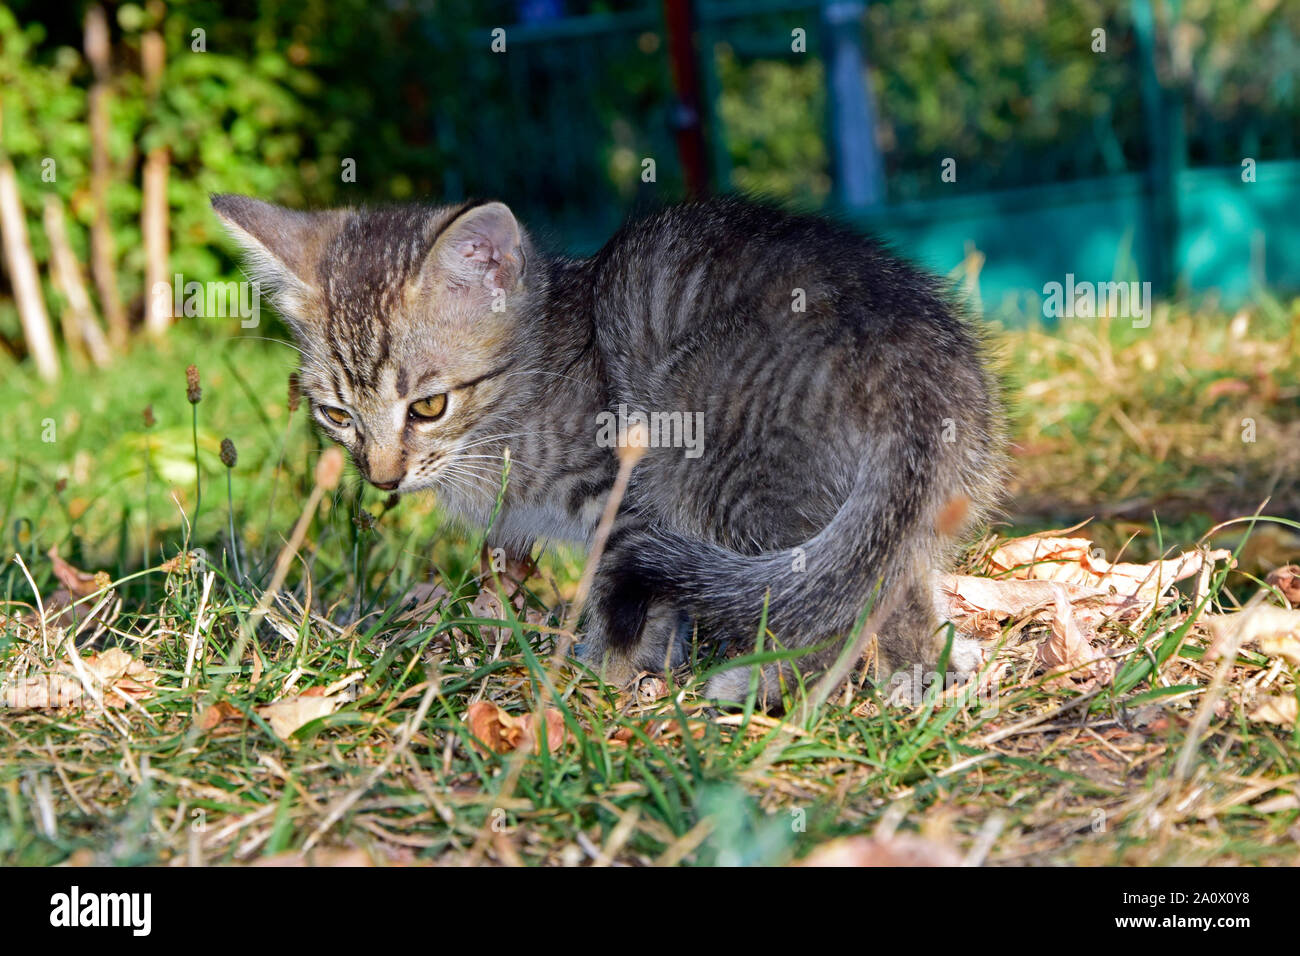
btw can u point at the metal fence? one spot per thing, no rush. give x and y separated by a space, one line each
1101 166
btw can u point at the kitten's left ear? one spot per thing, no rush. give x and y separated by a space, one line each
481 248
284 246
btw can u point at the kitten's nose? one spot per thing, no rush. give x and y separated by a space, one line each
386 485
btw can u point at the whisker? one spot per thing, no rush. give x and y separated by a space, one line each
453 480
514 462
267 338
502 437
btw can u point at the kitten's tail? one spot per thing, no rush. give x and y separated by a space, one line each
885 539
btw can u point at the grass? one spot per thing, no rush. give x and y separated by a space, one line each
1124 424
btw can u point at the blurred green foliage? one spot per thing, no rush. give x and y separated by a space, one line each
1013 91
286 90
772 112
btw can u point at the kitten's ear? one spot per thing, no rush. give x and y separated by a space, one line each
482 248
283 245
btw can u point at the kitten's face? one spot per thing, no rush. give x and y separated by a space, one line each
405 322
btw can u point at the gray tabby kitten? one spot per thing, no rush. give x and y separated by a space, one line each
849 428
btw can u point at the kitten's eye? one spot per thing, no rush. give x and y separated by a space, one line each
337 415
429 408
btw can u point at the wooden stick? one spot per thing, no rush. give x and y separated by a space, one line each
22 273
80 326
102 258
153 211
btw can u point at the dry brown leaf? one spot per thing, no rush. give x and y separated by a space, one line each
1059 580
1071 561
502 732
1274 630
966 594
651 688
977 605
982 626
287 715
1276 710
182 562
1285 646
317 856
114 673
897 850
79 583
120 674
115 663
61 607
50 691
673 728
622 736
217 716
1067 648
423 598
513 570
488 605
1286 580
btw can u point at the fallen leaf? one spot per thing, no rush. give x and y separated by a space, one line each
1285 646
1067 649
287 715
624 735
1072 561
897 850
512 570
423 598
182 562
215 715
1276 710
1287 580
1274 630
982 626
488 605
317 856
966 594
502 732
79 583
650 689
673 728
114 673
115 663
1060 580
61 607
49 691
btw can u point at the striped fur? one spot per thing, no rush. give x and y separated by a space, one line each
836 437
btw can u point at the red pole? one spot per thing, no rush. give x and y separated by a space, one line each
688 124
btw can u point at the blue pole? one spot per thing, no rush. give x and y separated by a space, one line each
859 168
